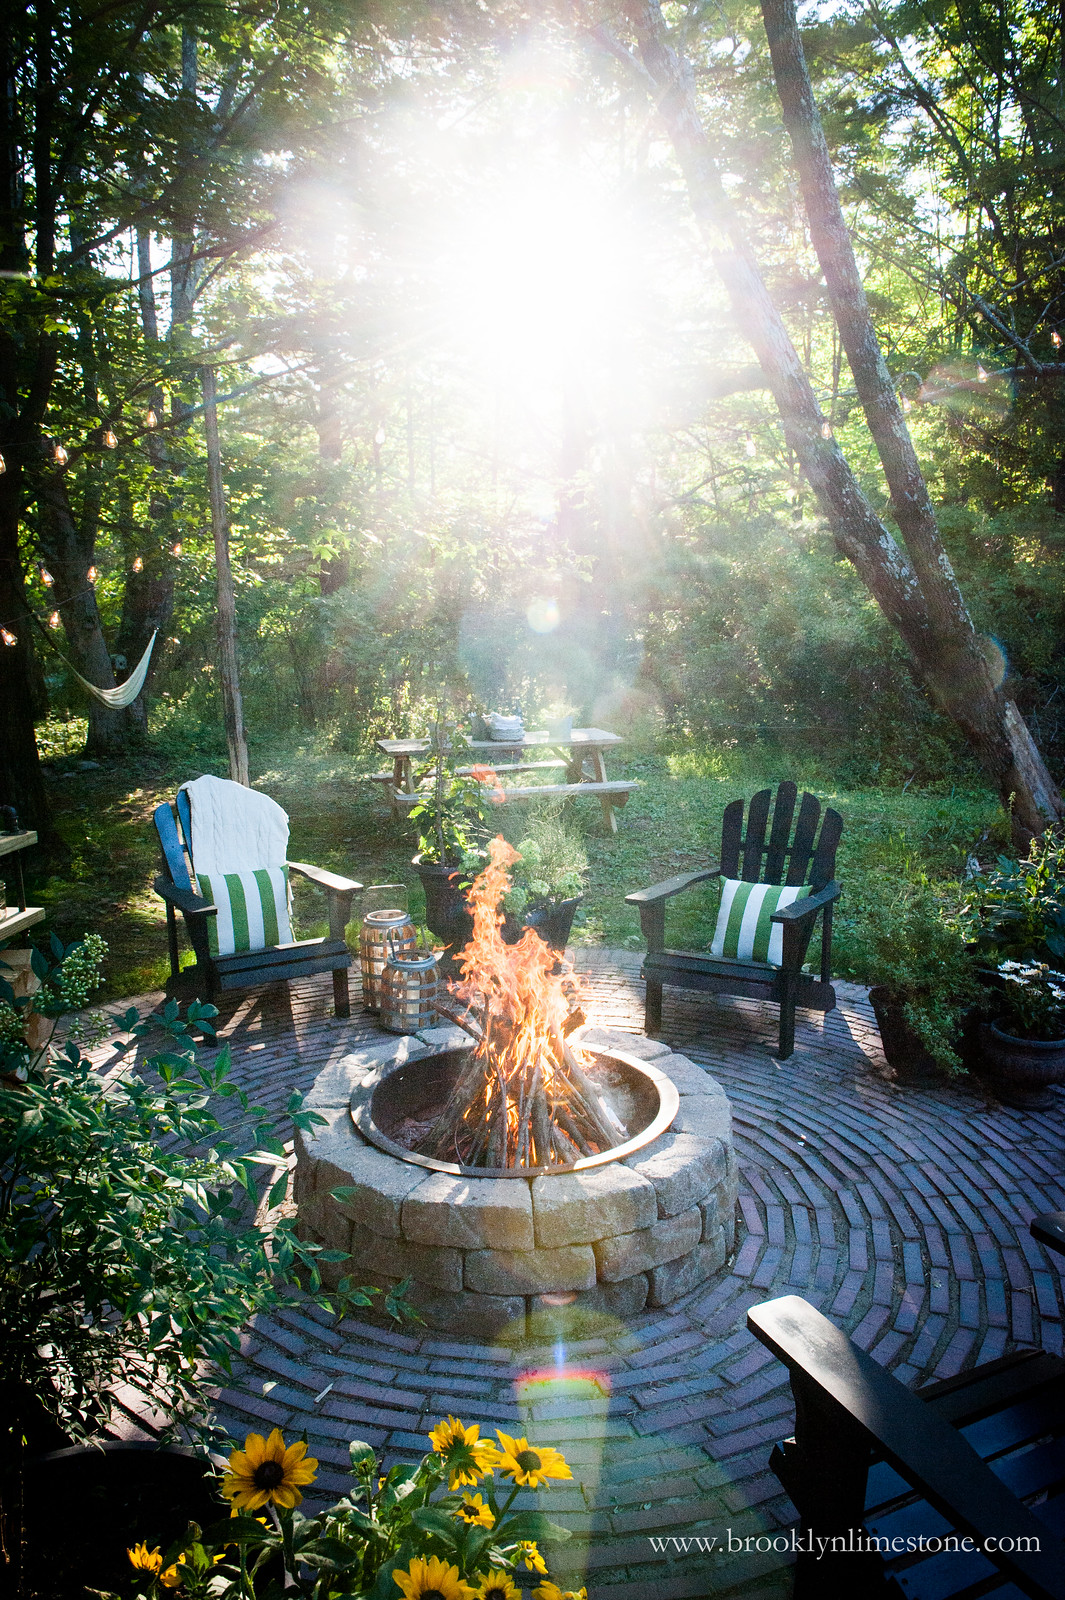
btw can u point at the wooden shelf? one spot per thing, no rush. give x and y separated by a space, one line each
13 921
16 841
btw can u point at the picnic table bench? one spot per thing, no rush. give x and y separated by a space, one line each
583 765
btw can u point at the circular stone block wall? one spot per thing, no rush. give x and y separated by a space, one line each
481 1252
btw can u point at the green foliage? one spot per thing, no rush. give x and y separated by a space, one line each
451 814
553 864
1018 908
915 943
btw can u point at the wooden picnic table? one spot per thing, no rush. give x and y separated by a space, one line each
579 756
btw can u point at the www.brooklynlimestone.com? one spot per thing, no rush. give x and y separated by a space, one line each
854 1542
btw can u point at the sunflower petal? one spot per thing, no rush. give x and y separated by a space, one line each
255 1449
275 1446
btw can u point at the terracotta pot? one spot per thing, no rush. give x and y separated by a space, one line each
1021 1071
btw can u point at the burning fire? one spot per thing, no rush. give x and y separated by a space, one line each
524 1099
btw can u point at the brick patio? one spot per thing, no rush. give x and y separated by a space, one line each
902 1212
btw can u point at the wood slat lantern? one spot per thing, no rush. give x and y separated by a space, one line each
381 932
408 991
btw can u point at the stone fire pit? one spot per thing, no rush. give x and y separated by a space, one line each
484 1252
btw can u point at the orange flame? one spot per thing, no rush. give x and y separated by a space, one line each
524 1004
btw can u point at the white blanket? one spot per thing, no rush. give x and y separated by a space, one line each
235 829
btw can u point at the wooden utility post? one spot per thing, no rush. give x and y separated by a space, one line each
227 610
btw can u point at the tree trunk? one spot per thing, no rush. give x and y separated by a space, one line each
913 585
232 706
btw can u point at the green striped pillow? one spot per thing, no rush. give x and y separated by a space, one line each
744 930
252 910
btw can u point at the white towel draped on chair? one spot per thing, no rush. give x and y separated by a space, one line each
235 829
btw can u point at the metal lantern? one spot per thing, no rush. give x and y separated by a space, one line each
381 931
408 990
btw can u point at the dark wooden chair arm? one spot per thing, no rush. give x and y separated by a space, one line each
331 882
839 1387
808 906
670 887
1049 1229
191 904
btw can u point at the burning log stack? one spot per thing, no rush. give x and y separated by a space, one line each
524 1100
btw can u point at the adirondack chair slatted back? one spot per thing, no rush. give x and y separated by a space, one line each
810 858
173 846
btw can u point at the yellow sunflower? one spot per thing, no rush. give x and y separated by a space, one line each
468 1456
551 1591
497 1586
521 1463
528 1555
432 1579
474 1511
265 1470
145 1560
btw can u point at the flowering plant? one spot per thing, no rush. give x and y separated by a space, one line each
1031 1002
414 1532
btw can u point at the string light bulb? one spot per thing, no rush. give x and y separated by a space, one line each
151 420
53 620
8 637
46 578
379 436
60 455
826 430
92 574
111 439
981 375
1055 339
176 548
750 446
138 564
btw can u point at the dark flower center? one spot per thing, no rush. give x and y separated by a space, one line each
496 1592
268 1474
431 1594
528 1460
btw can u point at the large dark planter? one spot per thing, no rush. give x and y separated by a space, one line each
1021 1072
552 922
87 1505
902 1046
446 912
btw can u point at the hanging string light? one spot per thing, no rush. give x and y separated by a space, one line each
3 464
380 436
92 574
111 439
1055 339
138 564
60 455
176 548
907 403
53 620
151 420
8 637
981 375
750 446
826 430
46 578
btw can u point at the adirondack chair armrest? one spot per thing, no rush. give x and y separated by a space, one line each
192 905
846 1394
331 882
809 906
671 886
1049 1229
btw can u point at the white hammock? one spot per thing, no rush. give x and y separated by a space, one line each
125 694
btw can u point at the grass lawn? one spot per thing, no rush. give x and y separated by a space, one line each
671 824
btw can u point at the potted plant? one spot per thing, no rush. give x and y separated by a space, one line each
450 816
1024 1041
1016 910
547 881
927 980
125 1260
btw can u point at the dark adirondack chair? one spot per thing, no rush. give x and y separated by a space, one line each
805 856
977 1457
173 822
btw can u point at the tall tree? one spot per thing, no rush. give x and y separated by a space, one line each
912 582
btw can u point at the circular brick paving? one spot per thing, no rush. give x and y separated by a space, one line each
902 1212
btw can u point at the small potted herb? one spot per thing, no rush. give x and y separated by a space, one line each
927 983
547 882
